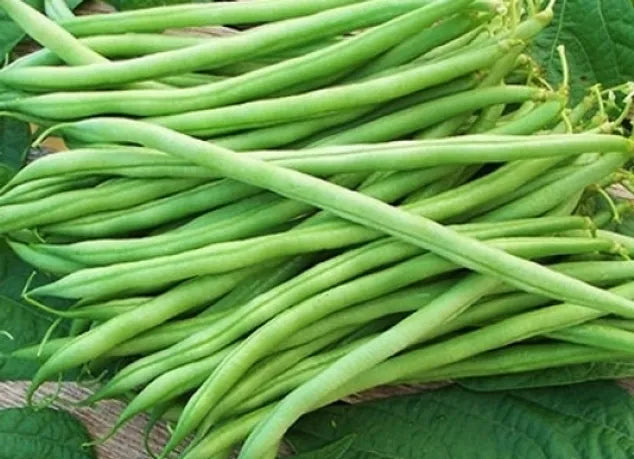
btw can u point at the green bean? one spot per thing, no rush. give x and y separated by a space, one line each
551 195
543 114
512 360
523 110
600 273
273 37
260 113
496 74
405 333
273 367
318 278
266 434
453 87
424 39
43 188
265 81
168 17
235 221
45 262
114 195
114 46
140 44
547 178
514 329
567 206
107 335
424 154
191 80
168 386
189 377
422 42
58 40
169 334
487 119
229 433
264 281
45 31
515 359
157 212
403 301
150 214
87 159
456 44
362 209
57 10
284 324
165 335
283 134
461 176
405 122
221 257
214 258
598 335
257 83
618 323
520 358
290 379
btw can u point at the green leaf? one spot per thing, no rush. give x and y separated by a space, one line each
334 450
15 139
26 324
599 43
29 434
589 420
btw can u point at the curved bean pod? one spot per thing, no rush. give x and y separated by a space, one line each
156 311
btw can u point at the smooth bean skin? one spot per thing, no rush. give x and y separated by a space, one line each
311 282
240 220
176 16
66 205
65 45
258 83
285 323
164 336
273 37
490 337
268 431
553 194
107 335
361 209
413 119
315 103
268 305
516 359
148 215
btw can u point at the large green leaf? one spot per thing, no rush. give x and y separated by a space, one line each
15 138
28 434
25 323
592 420
552 376
599 40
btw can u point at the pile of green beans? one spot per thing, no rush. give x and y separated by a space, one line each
339 194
